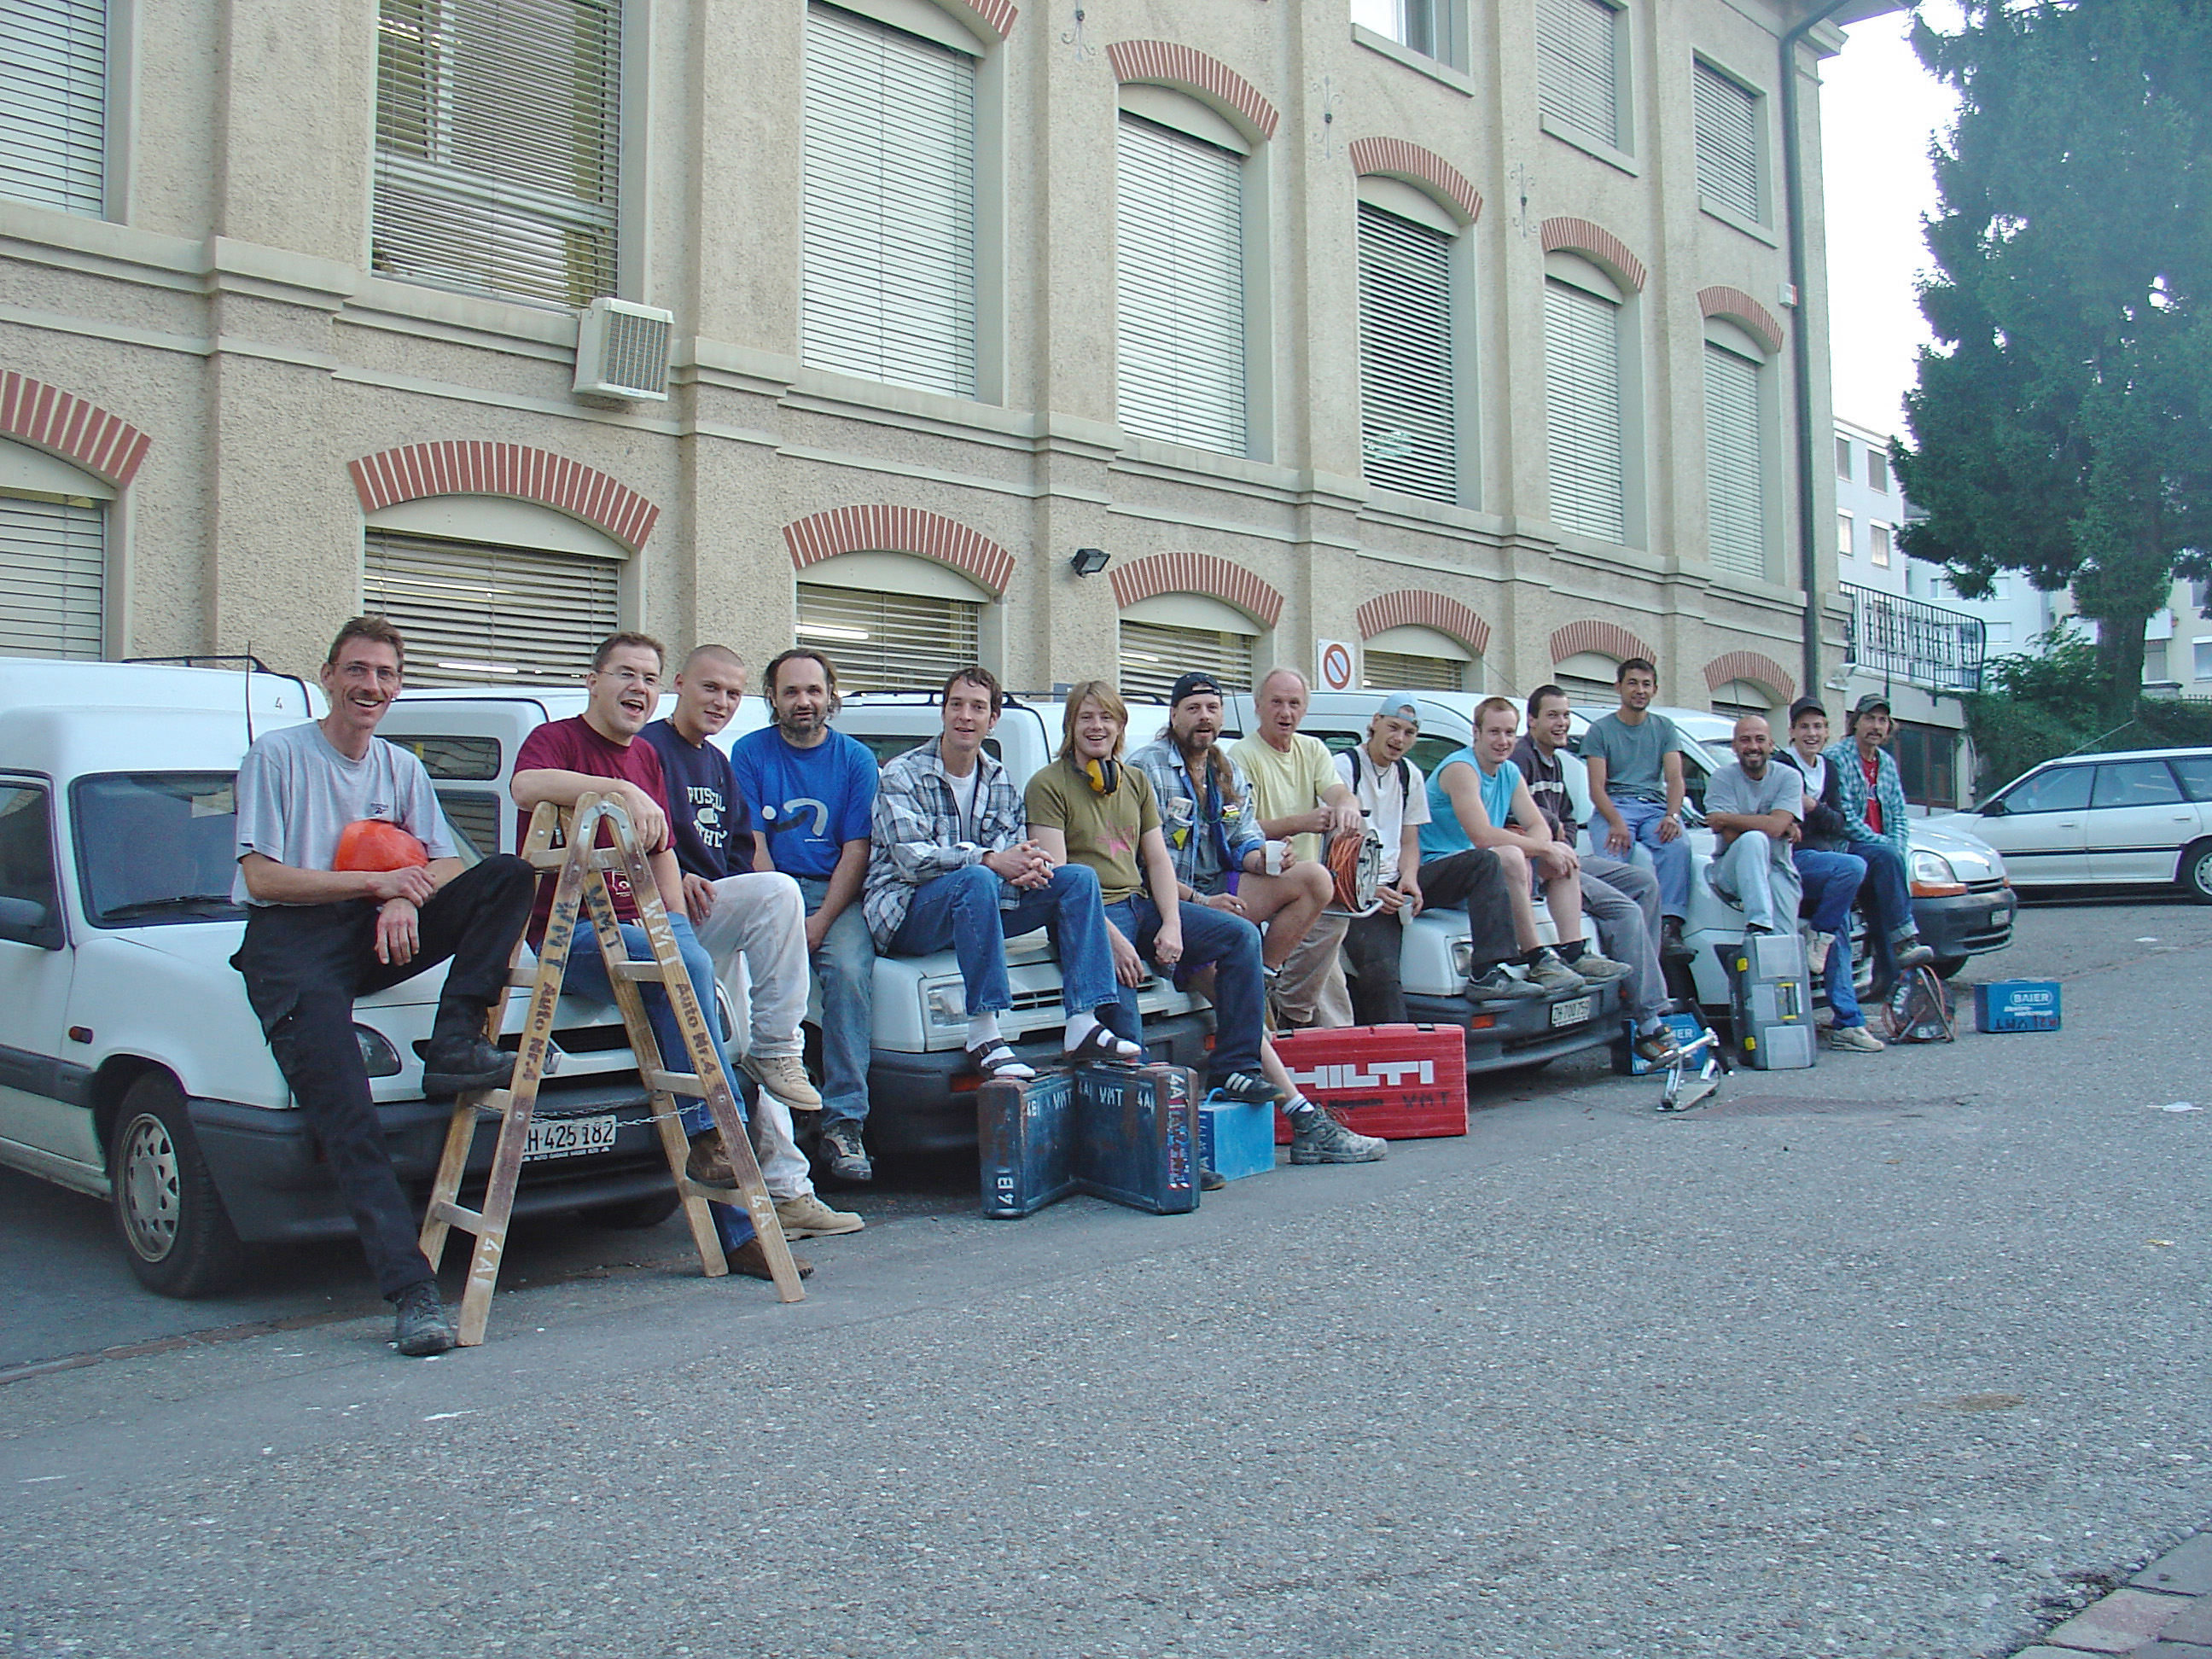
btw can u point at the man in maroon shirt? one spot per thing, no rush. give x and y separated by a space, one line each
561 762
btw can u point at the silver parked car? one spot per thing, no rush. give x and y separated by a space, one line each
2137 819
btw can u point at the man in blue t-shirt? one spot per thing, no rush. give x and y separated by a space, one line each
809 793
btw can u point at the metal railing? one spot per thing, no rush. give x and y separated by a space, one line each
1913 641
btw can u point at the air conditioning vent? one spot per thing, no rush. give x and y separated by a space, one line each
622 352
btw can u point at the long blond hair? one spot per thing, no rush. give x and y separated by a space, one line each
1110 702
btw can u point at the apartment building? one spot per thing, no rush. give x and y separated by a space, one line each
1434 343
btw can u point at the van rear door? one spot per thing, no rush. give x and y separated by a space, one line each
468 744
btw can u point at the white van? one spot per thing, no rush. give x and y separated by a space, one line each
131 1066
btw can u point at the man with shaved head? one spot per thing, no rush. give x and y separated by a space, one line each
1753 807
1302 801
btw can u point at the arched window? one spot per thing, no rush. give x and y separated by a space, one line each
1588 384
53 555
1416 659
890 621
1171 634
1588 677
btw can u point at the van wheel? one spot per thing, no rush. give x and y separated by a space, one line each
2195 875
173 1225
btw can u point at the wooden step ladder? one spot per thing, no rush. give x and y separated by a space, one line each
579 868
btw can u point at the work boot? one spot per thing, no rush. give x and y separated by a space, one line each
709 1163
750 1260
1670 938
1597 968
422 1329
1550 975
456 1058
805 1216
785 1077
1317 1138
845 1155
1911 952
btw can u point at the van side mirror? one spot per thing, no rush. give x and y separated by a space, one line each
1996 809
25 921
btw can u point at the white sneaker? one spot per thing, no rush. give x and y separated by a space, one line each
807 1216
1816 953
1856 1040
785 1077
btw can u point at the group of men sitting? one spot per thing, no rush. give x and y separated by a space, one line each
795 854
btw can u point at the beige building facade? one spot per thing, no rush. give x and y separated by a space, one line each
1455 333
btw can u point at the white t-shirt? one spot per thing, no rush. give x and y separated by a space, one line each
1816 774
296 793
1389 810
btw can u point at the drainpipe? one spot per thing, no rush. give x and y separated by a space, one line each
1793 185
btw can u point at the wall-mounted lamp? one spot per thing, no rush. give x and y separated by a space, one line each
1089 560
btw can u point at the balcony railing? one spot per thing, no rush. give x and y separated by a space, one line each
1913 641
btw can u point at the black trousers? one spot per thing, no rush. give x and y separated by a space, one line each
1473 878
305 964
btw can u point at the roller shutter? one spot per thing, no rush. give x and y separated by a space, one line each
1728 143
1581 407
1154 656
473 613
497 146
1400 670
53 556
889 249
1179 252
53 103
1577 72
1408 437
888 642
1735 491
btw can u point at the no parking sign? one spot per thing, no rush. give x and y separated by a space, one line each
1338 665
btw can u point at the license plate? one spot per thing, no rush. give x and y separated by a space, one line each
569 1137
1573 1012
1999 917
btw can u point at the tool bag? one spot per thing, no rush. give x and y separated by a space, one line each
1919 1009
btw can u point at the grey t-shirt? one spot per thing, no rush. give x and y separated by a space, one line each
296 793
1633 755
1732 789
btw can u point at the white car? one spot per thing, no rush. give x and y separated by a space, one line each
2139 818
131 1066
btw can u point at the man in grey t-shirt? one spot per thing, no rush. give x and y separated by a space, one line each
1753 807
1636 788
317 937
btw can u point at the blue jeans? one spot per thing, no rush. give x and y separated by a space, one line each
1230 945
962 909
588 978
1887 897
845 974
1831 883
1670 860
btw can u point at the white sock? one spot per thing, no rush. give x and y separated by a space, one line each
1080 1026
983 1030
1296 1104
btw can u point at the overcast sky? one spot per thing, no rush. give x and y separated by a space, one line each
1878 110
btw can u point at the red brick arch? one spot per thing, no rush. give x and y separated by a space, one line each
900 529
996 16
81 433
1196 573
1414 607
1423 169
1738 307
1570 235
464 466
1606 638
1751 666
1169 64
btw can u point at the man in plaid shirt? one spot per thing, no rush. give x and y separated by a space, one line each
950 865
1870 795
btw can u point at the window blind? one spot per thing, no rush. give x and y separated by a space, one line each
1735 485
1408 426
1179 254
472 613
497 146
53 103
1154 656
53 555
1583 415
888 642
1728 143
1400 670
1577 70
888 255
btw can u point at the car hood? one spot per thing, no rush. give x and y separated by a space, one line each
209 946
1952 833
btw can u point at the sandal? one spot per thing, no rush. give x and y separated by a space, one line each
1101 1043
999 1063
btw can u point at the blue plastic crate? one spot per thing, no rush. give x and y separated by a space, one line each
2016 1005
1237 1138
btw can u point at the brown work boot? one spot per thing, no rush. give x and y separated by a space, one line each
709 1163
751 1261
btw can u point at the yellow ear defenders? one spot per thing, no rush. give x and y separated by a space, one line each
1105 774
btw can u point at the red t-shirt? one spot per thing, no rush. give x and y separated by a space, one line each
571 745
1871 770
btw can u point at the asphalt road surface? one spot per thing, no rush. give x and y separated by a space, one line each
1903 1356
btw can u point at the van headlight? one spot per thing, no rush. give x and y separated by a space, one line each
377 1054
945 1003
1462 954
1933 876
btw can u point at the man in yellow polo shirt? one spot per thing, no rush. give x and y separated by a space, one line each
1300 798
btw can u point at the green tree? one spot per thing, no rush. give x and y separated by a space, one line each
2060 428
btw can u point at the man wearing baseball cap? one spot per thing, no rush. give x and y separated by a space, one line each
1870 796
1222 859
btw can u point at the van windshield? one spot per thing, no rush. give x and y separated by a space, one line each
156 846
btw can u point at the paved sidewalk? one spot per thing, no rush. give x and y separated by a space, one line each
2164 1611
